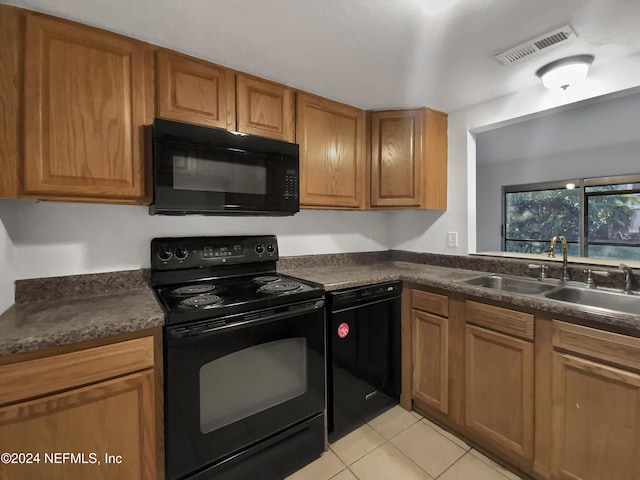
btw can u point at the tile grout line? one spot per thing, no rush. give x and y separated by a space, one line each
494 468
345 468
451 466
467 451
420 420
407 457
388 440
468 447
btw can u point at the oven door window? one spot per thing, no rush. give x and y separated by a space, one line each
252 380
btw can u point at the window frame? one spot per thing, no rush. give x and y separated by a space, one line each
580 184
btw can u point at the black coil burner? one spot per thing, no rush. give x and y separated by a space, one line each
279 287
200 301
266 279
193 289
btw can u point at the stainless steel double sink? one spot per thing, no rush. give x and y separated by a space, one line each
571 292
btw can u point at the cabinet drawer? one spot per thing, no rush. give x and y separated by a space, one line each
430 302
500 319
34 378
608 346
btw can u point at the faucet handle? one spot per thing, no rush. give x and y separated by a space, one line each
543 270
590 282
627 277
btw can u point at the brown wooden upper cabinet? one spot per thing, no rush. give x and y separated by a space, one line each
265 108
332 142
409 159
195 91
87 94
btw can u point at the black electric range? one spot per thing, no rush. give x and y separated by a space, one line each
244 359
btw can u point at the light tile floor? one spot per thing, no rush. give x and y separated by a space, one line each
402 445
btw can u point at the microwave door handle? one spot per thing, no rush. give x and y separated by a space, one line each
229 205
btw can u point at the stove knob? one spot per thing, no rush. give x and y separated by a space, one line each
181 253
270 248
165 254
259 248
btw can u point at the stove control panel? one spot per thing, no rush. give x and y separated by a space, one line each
173 253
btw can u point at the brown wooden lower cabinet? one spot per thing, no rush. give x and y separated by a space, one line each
595 427
103 427
499 391
587 385
596 420
430 359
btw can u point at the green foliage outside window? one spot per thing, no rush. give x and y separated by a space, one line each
533 217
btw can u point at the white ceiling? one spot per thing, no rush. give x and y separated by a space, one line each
609 121
371 53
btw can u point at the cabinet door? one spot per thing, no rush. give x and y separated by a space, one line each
396 158
430 359
332 148
436 145
88 94
114 418
596 421
499 391
265 108
195 91
10 106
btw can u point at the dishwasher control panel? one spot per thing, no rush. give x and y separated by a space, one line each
358 295
379 290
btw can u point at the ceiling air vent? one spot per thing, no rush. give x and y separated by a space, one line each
554 37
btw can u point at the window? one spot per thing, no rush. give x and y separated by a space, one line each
599 217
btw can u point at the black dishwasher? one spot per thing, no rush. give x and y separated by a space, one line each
363 355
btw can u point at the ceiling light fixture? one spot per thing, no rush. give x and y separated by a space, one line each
565 72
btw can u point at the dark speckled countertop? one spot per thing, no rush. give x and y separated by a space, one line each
62 310
56 311
352 275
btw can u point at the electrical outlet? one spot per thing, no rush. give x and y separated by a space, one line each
452 239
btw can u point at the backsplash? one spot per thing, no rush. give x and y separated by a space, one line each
333 259
78 286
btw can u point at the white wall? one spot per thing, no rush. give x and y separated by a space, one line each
7 275
426 231
51 239
604 161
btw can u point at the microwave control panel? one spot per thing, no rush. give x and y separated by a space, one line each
290 184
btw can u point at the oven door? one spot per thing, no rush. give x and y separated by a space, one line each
207 179
232 382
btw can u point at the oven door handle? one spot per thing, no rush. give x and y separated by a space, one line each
219 325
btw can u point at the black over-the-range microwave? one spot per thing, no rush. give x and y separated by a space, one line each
211 171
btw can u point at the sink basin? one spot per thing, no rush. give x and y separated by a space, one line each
509 284
619 302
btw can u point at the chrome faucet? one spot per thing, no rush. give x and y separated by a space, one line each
565 253
627 277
